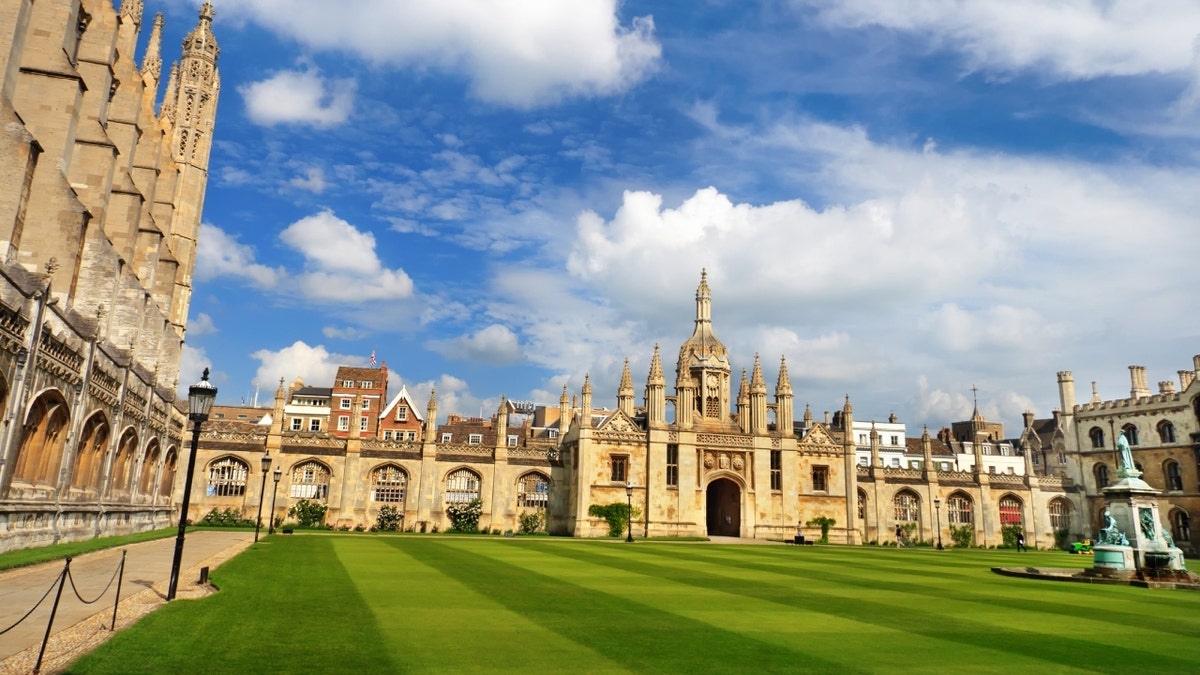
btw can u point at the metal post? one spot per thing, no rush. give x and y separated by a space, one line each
117 600
266 466
937 507
62 580
629 498
183 511
277 476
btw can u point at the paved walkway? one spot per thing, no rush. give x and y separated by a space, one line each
145 580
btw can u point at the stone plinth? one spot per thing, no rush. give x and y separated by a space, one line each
1133 504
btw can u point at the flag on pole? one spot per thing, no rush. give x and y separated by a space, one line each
372 358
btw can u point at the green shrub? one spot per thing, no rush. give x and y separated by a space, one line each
226 518
1062 539
616 514
531 522
464 517
309 514
389 519
1010 533
824 522
963 536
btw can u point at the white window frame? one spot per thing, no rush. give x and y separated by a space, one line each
401 413
447 437
474 439
344 404
343 423
314 424
297 424
363 423
512 440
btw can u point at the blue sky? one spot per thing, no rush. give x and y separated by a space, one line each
905 199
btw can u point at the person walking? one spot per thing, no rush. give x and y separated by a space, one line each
1021 542
899 537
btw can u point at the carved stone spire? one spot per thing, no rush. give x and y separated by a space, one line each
132 10
656 391
152 61
783 387
656 371
172 92
625 392
757 384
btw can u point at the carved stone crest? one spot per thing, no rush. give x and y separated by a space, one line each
709 462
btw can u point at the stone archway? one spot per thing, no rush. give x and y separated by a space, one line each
723 500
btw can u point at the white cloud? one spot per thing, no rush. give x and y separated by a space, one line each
315 364
299 97
341 263
192 362
1065 39
341 333
202 324
313 180
496 345
514 52
961 265
219 254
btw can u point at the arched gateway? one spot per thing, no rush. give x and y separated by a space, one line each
724 508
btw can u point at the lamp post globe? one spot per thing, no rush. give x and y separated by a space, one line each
266 468
629 503
277 475
200 401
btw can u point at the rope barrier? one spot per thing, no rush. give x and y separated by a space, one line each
38 603
113 578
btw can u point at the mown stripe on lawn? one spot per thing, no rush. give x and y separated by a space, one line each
1105 604
432 621
639 636
285 606
917 614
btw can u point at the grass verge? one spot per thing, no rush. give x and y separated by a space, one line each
34 556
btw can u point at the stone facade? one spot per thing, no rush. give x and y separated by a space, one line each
1163 431
100 203
695 466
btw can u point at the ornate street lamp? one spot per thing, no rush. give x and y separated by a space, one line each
266 467
629 499
278 474
937 507
200 401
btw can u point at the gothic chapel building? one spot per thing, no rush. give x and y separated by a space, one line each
101 191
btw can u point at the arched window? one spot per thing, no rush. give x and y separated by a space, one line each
1180 525
462 487
1166 432
123 463
1097 436
167 481
388 484
310 480
42 439
533 491
1131 433
958 509
1173 474
149 470
1060 514
907 507
862 504
89 455
1010 510
227 477
1101 472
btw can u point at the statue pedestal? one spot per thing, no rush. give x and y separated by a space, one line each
1114 557
1133 504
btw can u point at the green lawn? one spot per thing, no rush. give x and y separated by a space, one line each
305 604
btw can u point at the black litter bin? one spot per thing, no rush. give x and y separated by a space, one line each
799 540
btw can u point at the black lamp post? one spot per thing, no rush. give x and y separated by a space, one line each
629 499
278 474
200 401
266 467
937 508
